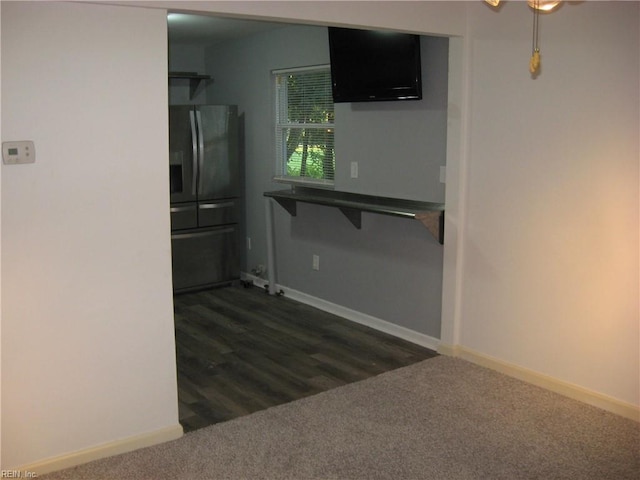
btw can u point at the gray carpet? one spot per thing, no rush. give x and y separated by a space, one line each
443 418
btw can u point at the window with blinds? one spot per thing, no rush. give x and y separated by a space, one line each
304 125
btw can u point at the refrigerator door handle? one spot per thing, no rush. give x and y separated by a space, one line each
194 149
206 206
200 146
216 231
181 208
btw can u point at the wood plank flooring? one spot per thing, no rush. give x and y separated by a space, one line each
240 350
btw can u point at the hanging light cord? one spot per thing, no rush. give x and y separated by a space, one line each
534 63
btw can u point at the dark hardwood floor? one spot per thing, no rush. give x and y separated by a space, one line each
240 350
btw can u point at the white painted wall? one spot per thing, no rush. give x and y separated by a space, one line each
551 236
0 249
442 17
549 242
88 349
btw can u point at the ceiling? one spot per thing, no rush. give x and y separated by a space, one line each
202 29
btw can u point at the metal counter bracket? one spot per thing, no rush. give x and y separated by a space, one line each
353 204
430 214
288 204
354 216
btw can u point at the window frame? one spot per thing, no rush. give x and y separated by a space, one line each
278 103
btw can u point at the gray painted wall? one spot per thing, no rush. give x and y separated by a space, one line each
390 269
399 146
186 58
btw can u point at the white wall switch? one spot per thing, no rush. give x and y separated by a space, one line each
14 153
354 169
315 265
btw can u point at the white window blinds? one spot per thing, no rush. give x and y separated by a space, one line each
304 125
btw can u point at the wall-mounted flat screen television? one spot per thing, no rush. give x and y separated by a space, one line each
370 66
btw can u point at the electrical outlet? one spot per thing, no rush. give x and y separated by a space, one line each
248 243
354 169
315 263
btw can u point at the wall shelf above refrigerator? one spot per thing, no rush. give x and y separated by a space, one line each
195 80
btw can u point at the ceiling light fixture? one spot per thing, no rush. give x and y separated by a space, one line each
543 5
534 61
537 6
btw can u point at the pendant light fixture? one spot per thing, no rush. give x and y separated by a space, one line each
534 62
537 6
542 5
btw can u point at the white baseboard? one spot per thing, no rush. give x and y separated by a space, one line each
352 315
567 389
103 451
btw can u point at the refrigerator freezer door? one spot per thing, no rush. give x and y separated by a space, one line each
182 145
219 174
184 216
218 213
204 257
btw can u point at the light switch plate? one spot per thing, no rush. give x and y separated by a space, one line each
14 153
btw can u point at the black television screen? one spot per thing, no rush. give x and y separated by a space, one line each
369 66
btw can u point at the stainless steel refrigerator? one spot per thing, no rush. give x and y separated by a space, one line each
205 182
